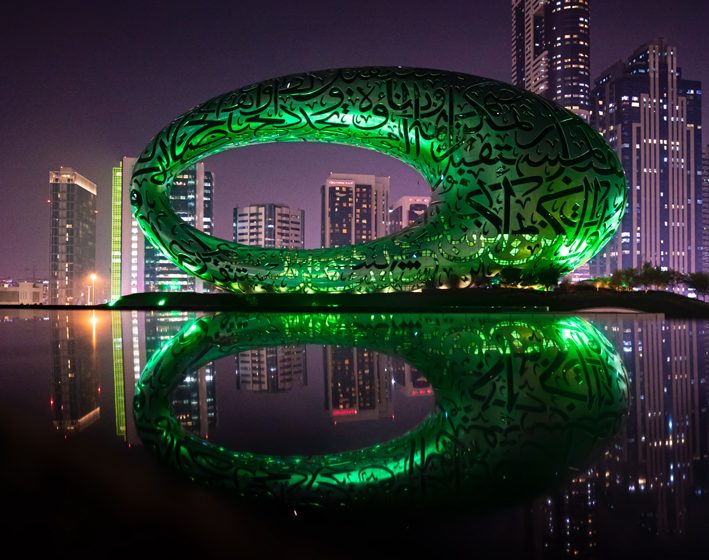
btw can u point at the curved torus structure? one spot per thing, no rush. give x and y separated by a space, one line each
521 188
521 402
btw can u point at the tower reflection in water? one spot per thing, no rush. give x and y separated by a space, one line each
136 337
657 466
357 384
272 369
75 386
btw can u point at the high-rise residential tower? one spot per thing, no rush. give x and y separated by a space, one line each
406 211
72 234
551 51
269 225
705 209
355 209
136 266
652 116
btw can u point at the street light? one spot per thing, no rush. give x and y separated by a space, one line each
93 288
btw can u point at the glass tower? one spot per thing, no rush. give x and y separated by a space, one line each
281 368
551 52
137 267
72 233
652 116
192 198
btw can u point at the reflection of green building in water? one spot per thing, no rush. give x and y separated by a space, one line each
511 391
142 335
75 385
193 401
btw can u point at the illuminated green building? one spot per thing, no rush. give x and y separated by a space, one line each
522 190
116 190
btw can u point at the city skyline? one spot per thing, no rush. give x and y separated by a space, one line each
97 139
523 372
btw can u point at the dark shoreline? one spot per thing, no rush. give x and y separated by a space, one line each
482 300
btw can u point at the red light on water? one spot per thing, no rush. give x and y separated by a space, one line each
344 411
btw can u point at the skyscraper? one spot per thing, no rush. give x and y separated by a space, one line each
652 116
269 225
705 209
126 237
72 234
551 51
191 197
406 211
116 218
355 209
140 266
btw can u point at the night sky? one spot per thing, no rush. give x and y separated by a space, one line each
85 83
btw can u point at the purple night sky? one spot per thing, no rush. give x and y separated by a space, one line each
85 83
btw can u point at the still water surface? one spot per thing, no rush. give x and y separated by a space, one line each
583 463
